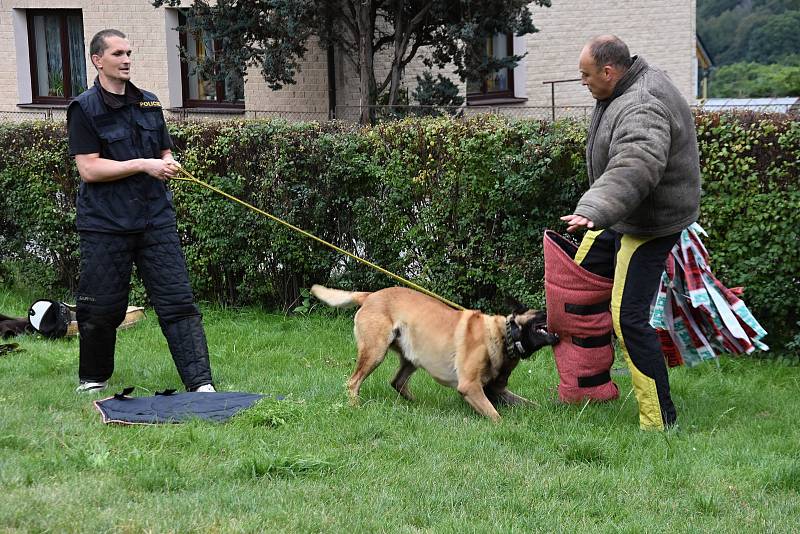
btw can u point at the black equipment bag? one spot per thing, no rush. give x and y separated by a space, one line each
51 318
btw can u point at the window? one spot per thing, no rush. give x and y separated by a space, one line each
199 92
57 54
499 84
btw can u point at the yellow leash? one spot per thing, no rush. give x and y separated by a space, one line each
190 178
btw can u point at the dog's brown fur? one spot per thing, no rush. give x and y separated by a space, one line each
460 349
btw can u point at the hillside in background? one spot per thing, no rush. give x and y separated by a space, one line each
760 31
743 36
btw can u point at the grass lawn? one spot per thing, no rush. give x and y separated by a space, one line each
312 463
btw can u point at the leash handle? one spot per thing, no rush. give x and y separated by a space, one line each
188 177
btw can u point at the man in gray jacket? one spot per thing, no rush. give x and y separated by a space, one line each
644 172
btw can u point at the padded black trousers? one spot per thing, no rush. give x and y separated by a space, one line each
636 264
106 264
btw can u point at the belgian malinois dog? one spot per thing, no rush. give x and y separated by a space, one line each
467 350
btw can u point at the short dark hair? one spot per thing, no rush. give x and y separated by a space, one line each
98 43
610 50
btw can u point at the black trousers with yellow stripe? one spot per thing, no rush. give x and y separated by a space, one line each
635 264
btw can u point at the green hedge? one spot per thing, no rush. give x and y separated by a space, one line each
38 184
458 206
751 210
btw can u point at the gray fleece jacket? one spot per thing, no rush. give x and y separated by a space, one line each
642 158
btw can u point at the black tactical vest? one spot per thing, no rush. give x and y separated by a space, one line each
135 203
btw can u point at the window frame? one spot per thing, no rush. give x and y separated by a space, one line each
219 86
66 64
493 95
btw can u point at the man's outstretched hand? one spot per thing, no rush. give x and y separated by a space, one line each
577 221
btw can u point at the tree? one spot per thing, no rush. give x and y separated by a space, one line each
273 35
437 92
743 80
749 30
775 39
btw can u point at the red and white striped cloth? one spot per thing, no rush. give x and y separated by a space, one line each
697 318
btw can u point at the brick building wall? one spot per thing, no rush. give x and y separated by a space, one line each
156 65
306 99
145 26
663 32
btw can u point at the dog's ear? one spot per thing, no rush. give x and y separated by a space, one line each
516 306
525 317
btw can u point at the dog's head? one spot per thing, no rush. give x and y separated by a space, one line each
528 332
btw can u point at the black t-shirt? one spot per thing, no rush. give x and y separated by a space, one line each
82 137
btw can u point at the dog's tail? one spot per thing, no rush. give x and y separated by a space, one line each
338 298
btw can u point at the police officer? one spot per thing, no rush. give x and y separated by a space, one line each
124 216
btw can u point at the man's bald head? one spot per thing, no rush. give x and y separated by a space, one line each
603 61
609 50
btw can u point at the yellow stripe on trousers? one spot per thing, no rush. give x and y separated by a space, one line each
643 386
586 245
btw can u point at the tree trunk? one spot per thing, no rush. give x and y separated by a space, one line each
366 60
394 86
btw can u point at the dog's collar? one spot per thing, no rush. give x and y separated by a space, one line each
514 348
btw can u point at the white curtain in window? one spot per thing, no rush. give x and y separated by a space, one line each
76 54
49 71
